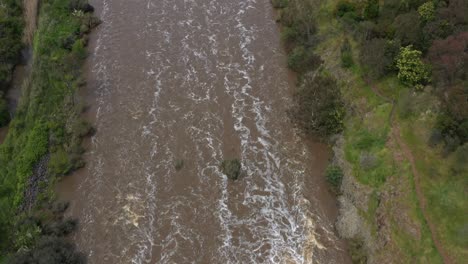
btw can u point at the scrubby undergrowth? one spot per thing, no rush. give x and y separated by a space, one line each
47 122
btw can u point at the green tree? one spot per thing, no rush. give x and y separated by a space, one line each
371 11
411 69
318 107
426 11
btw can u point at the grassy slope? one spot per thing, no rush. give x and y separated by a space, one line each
47 119
444 191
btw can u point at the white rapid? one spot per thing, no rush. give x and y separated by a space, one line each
198 81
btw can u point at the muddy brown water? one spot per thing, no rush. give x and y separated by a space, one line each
198 81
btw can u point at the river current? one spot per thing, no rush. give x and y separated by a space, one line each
197 81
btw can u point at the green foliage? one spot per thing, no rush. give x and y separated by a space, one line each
371 10
367 140
426 11
344 7
411 69
4 114
290 35
179 164
51 250
408 30
59 163
11 30
231 168
302 59
357 251
454 131
279 3
47 118
318 107
26 234
378 57
334 176
346 54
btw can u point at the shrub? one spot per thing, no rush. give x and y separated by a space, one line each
51 250
377 57
426 11
60 228
279 3
231 168
179 164
449 58
290 35
302 59
411 69
454 131
346 54
4 114
59 163
408 30
334 176
318 107
81 5
11 30
371 10
344 7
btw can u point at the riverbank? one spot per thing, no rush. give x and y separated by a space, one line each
43 141
394 191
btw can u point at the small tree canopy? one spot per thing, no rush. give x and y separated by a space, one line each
231 168
426 11
411 69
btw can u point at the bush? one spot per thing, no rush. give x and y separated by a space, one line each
334 176
377 57
81 5
11 31
279 3
411 69
426 11
290 35
4 114
231 168
408 30
318 107
344 7
59 163
50 250
450 59
346 54
179 164
371 11
301 60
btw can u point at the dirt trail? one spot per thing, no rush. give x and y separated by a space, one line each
30 17
417 178
419 192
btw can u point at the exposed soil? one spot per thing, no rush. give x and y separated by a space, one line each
30 17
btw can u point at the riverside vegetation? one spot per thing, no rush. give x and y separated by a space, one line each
398 69
44 138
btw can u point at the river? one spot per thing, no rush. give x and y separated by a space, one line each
198 81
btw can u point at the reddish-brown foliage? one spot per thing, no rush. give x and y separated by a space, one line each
449 58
